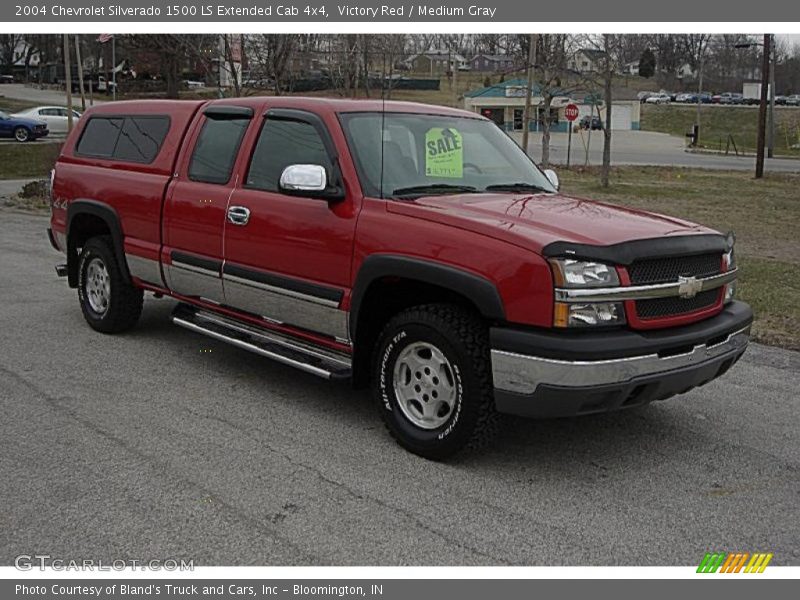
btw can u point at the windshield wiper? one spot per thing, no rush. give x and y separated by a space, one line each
433 188
516 187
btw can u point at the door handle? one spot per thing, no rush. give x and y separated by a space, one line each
238 215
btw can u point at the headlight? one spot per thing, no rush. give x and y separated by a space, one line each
572 273
730 256
730 264
589 314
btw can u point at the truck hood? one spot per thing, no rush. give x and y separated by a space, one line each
536 220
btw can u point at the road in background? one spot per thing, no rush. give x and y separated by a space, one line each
19 91
162 443
645 148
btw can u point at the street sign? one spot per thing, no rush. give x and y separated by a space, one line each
571 112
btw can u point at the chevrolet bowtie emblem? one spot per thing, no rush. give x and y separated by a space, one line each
688 286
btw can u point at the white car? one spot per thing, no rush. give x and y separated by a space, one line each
659 99
54 116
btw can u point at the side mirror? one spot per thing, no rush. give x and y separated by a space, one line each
304 178
552 178
310 181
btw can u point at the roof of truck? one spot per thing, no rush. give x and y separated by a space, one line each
338 105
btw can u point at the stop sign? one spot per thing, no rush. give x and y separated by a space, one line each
571 112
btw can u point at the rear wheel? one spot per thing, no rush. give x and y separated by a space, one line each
432 380
21 134
108 302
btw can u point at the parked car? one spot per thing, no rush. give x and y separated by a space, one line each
793 100
56 117
6 79
694 97
453 277
22 129
191 84
780 100
659 99
594 122
731 98
642 96
263 83
104 85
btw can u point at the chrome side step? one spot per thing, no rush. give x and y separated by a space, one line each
302 355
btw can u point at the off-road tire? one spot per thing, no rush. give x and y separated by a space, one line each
124 300
463 339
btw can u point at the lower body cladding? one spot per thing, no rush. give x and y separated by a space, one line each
277 299
549 374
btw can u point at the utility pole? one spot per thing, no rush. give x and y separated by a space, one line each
696 140
68 82
526 116
80 70
762 108
771 125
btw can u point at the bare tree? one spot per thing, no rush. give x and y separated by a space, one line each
232 48
9 44
550 77
609 47
271 55
174 52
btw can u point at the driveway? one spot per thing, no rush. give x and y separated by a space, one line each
161 443
644 148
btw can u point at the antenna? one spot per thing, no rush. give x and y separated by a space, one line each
383 118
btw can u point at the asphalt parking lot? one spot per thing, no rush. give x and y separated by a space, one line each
162 443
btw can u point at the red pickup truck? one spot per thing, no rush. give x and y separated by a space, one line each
412 248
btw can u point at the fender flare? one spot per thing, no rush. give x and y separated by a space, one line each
109 216
479 290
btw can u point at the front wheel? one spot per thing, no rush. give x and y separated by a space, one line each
21 134
432 380
109 303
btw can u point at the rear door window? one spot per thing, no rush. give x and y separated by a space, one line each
216 149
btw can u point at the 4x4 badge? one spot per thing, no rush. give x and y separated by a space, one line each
688 286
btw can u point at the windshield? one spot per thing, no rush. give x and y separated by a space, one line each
3 115
436 154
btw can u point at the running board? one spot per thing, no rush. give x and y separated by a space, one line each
302 355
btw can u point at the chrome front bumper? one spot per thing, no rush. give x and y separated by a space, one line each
522 374
548 373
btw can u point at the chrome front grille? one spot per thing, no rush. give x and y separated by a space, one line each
668 270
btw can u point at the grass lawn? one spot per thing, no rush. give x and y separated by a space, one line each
31 159
764 214
716 122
